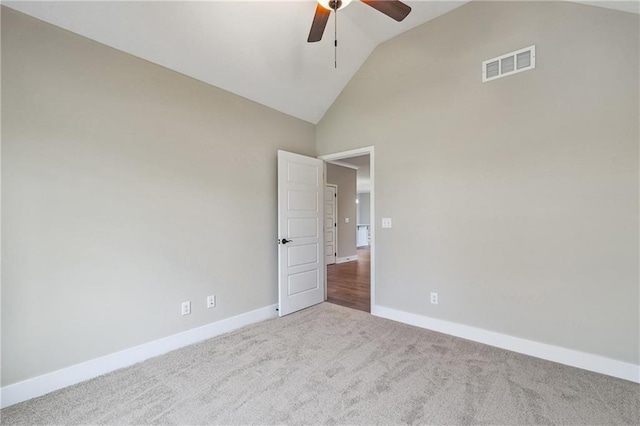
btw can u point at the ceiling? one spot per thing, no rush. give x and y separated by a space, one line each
255 49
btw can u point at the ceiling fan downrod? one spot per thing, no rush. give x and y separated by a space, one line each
336 5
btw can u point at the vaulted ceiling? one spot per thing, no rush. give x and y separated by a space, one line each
255 49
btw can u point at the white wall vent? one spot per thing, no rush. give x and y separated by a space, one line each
511 63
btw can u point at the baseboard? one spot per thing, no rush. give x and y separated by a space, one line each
37 386
346 259
573 358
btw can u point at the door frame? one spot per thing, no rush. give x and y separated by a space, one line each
341 156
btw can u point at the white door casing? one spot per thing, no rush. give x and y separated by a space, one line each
330 223
300 232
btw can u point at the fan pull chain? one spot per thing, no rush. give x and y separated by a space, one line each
335 37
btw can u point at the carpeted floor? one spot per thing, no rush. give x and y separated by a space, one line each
333 365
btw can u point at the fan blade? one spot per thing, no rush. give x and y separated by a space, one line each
319 22
392 8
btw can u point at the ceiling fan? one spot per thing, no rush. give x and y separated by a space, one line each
392 8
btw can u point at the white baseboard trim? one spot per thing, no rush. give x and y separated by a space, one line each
573 358
347 259
37 386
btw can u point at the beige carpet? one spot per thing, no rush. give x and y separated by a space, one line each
333 365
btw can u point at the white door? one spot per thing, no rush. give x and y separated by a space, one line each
300 231
330 224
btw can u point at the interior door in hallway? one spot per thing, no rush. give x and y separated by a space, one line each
330 224
300 232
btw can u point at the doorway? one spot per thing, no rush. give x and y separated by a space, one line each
351 281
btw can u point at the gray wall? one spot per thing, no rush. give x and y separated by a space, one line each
516 200
345 178
364 208
127 189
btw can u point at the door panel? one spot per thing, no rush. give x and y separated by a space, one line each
302 200
303 282
300 214
300 173
302 255
303 227
330 199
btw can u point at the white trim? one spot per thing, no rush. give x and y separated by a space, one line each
343 164
324 241
372 221
346 154
37 386
347 259
573 358
355 153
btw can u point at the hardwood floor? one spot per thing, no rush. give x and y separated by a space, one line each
349 283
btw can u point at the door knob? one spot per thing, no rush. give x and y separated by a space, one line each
285 241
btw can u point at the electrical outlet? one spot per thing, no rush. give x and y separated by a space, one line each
211 301
386 222
186 308
346 220
434 298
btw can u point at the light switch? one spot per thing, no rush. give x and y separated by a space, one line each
346 220
386 222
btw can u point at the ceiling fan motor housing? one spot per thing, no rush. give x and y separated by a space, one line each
394 9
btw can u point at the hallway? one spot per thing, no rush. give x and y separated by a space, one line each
349 283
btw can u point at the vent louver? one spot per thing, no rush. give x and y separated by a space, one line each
510 63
